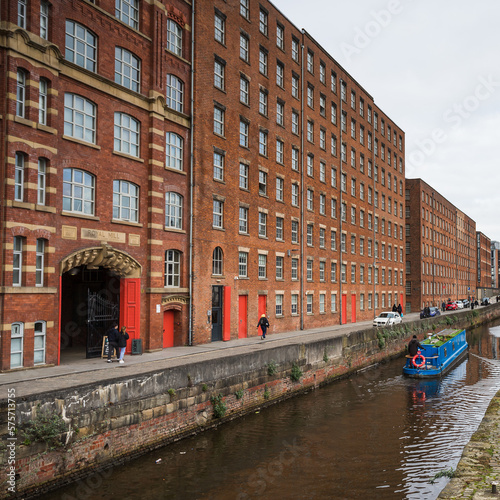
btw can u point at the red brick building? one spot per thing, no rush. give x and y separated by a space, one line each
440 248
298 185
95 170
483 253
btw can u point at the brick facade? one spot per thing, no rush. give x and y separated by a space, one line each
440 248
483 262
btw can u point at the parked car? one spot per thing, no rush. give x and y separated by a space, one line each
466 302
451 306
485 301
429 312
387 319
434 311
459 304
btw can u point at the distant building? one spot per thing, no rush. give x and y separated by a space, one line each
440 248
495 261
483 256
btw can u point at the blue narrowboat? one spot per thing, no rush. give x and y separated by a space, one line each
440 352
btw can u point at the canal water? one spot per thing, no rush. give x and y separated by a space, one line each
374 435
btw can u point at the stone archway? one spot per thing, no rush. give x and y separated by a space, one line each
121 263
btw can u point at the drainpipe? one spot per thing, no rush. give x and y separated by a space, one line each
340 207
302 184
191 184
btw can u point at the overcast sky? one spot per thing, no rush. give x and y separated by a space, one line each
433 66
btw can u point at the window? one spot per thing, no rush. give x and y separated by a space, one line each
322 171
173 151
79 118
309 234
127 69
218 166
220 27
280 36
309 304
333 208
245 8
310 131
263 61
81 46
218 214
16 345
243 90
294 304
279 228
322 105
322 72
322 139
295 86
21 13
310 96
343 91
21 93
309 269
125 201
42 181
217 261
243 220
78 191
279 304
280 112
127 11
279 188
333 147
295 159
310 62
17 261
322 299
295 49
295 269
126 134
219 74
42 101
262 183
263 21
263 143
19 178
39 345
244 43
279 267
333 113
243 264
334 302
310 199
295 231
295 122
174 37
243 134
263 102
262 224
40 259
172 269
218 121
262 266
243 176
333 82
322 234
322 204
280 75
175 93
310 165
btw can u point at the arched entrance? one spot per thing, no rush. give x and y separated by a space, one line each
98 286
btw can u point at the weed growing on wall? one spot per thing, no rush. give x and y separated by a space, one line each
296 373
219 407
46 427
272 368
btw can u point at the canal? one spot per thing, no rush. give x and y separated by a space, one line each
374 435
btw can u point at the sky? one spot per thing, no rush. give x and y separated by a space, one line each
433 66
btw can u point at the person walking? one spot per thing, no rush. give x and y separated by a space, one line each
400 310
264 325
113 336
122 342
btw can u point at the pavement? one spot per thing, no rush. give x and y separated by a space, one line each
75 370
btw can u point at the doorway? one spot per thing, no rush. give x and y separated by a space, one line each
216 313
243 316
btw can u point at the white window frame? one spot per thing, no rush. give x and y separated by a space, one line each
22 8
174 37
39 346
219 28
218 166
127 69
79 118
219 74
42 101
127 132
85 40
175 93
78 191
243 177
217 261
243 134
243 220
244 47
19 177
39 261
17 261
125 201
44 20
21 93
243 264
127 11
172 269
41 181
279 304
174 148
17 332
218 214
244 87
218 121
262 266
173 210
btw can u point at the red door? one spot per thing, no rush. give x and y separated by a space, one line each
168 329
353 308
242 316
262 308
344 309
130 308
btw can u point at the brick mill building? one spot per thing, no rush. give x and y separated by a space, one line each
185 174
483 264
441 252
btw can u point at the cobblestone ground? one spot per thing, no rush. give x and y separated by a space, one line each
479 467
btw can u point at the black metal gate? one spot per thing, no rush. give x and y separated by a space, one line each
101 315
217 298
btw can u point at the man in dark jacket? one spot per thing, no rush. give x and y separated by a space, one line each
414 345
113 336
264 325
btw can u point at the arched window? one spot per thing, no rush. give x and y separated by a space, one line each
78 191
43 92
127 11
173 210
126 133
40 261
127 69
42 181
39 346
21 93
125 201
81 46
173 150
174 37
17 261
19 177
79 118
16 345
172 268
175 93
217 261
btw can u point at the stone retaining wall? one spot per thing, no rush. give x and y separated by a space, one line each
126 417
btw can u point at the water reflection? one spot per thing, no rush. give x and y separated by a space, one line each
376 435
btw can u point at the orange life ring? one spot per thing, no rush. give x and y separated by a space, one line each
418 355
